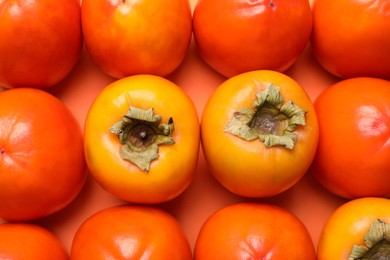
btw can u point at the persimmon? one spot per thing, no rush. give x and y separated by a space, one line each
142 139
29 242
126 38
259 133
357 229
130 232
234 36
253 231
351 38
40 42
42 163
352 159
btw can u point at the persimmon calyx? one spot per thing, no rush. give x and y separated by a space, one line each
141 133
376 243
271 120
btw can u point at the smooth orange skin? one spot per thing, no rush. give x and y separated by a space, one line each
253 231
40 42
130 232
348 224
29 242
248 168
351 38
137 37
235 36
172 172
352 158
42 164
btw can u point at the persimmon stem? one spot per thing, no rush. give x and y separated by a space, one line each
376 243
140 133
271 120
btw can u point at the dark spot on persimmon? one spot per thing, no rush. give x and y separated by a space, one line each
142 135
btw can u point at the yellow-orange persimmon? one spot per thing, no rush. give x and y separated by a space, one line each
358 229
142 139
259 133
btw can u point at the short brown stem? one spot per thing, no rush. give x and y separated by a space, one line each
140 133
271 120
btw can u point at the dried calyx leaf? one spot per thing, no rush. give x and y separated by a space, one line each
140 133
271 120
376 243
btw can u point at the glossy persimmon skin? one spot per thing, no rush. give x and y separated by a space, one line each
172 172
235 36
253 231
29 242
41 154
351 38
348 224
130 232
249 168
137 37
40 42
352 159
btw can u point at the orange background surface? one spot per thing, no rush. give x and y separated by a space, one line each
311 203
